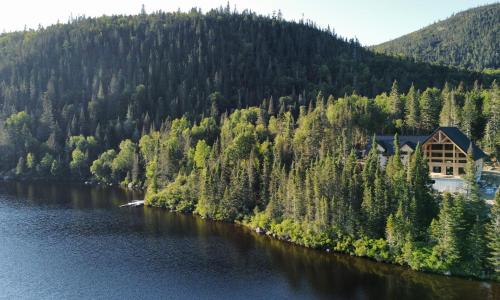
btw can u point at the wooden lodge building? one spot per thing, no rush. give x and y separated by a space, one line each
445 149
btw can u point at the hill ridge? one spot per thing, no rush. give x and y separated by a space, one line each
467 39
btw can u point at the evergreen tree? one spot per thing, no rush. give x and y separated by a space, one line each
493 235
271 110
21 165
445 117
47 119
492 130
412 110
423 207
139 117
471 185
135 172
396 101
476 218
470 116
396 179
429 110
374 195
396 231
448 232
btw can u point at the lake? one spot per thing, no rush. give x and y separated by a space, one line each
71 241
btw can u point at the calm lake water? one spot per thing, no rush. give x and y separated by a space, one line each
68 241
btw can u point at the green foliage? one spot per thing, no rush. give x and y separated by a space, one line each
493 235
30 161
303 187
21 166
44 169
180 195
448 232
117 92
123 161
423 204
376 249
430 108
467 39
55 169
79 163
301 233
413 117
174 122
201 154
102 168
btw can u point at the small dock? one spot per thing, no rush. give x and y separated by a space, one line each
134 203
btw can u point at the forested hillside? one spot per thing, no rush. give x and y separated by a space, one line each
252 119
129 72
300 178
468 40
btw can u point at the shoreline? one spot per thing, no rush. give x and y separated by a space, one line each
273 236
75 182
246 224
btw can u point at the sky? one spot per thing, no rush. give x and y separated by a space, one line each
371 21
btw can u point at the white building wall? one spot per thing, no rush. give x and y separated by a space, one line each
405 158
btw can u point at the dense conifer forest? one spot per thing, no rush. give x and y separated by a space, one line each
251 119
468 40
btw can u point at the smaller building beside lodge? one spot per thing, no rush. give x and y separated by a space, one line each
446 152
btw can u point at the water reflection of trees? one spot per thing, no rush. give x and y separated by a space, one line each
328 271
69 195
327 274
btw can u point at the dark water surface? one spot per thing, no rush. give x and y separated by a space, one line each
68 241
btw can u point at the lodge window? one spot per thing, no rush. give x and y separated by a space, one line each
436 160
437 147
461 171
436 169
461 155
448 154
436 154
449 170
462 161
448 147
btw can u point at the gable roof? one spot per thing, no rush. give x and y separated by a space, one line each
387 142
457 136
460 139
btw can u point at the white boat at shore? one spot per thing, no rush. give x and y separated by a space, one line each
133 203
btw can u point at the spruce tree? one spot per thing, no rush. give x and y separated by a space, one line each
476 252
412 110
470 116
21 166
135 169
374 195
445 118
271 109
429 110
492 130
397 103
476 219
396 231
396 179
448 232
423 206
493 235
47 119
